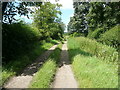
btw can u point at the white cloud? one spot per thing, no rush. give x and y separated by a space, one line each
66 4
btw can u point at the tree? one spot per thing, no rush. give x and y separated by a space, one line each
47 21
10 9
89 16
78 22
103 14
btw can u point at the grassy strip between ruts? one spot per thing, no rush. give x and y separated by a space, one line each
17 65
91 71
44 76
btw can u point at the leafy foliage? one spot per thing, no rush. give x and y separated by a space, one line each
111 37
102 14
46 26
11 9
47 21
96 33
17 37
88 17
78 22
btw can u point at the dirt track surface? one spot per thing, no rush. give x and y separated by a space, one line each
64 77
24 79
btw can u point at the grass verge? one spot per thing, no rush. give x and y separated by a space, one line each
44 76
15 67
107 53
91 71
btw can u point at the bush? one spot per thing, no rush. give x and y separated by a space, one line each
17 39
96 34
111 37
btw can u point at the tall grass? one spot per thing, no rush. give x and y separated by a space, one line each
94 64
44 76
91 72
106 53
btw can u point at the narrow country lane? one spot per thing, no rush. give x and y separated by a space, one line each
64 77
23 80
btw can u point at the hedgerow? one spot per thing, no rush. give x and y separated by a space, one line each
111 37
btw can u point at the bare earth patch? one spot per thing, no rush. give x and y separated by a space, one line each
24 79
64 77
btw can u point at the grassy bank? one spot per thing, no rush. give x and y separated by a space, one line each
94 64
44 76
15 66
107 53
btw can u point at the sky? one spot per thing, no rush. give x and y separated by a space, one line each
66 9
66 14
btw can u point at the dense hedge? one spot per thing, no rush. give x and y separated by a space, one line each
17 39
96 33
111 37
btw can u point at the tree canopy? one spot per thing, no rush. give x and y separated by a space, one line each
11 9
47 20
89 16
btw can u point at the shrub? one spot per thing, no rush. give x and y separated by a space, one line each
111 37
96 34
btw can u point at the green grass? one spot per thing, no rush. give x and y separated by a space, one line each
107 53
15 66
92 70
44 76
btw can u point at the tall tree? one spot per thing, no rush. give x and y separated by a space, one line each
103 14
78 22
88 16
46 19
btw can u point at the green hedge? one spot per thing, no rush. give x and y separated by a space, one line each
17 39
96 33
111 37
